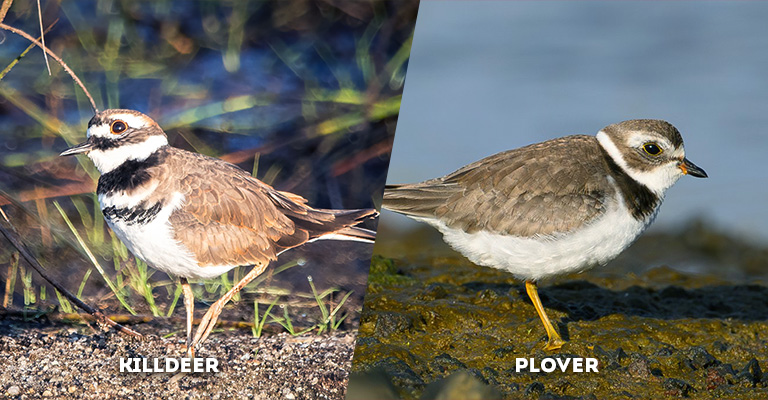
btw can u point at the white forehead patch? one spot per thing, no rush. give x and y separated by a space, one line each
132 120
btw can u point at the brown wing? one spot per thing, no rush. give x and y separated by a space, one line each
538 189
231 218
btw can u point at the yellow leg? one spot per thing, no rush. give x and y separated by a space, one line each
555 341
189 305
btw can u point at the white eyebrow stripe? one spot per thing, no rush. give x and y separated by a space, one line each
104 130
637 140
133 121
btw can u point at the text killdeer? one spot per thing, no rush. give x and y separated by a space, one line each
554 207
194 216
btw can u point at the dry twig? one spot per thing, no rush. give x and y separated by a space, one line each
42 35
4 11
12 235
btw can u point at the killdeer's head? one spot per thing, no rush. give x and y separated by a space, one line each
115 136
650 151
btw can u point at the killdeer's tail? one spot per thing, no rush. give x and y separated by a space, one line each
352 233
311 224
343 226
315 224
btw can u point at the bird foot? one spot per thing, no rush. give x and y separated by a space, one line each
554 344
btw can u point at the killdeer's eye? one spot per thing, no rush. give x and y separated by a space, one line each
118 127
652 149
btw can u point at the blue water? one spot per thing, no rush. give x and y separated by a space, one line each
173 60
490 76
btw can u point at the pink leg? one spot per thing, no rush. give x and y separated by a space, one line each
210 317
189 304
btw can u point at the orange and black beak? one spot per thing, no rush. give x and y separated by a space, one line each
691 169
79 148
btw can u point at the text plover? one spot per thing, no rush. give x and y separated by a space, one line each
555 207
194 216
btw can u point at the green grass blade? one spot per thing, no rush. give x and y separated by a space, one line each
318 299
13 63
176 296
258 325
92 258
82 283
333 323
10 284
64 304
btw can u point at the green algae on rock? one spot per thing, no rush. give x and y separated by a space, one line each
658 334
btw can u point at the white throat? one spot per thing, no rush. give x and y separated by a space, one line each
658 180
108 160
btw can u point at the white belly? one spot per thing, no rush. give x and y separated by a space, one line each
534 258
154 242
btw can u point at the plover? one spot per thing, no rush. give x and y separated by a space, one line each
555 207
194 216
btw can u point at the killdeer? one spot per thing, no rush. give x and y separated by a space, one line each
554 207
194 216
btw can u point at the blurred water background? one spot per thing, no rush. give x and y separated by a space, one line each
303 93
490 76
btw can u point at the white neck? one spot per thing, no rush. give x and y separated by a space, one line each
658 179
108 160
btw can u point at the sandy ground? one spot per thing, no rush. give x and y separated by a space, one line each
54 359
43 360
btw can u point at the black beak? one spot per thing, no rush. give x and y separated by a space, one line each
691 169
77 149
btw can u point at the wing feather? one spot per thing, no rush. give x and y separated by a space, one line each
535 190
230 218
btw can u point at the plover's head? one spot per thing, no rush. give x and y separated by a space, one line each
116 136
650 151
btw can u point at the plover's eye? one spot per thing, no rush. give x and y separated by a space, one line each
652 149
118 127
